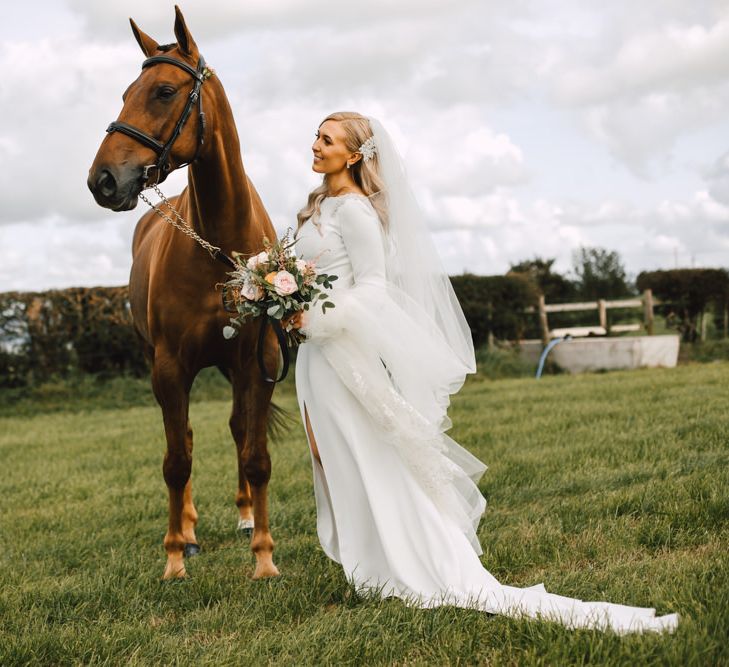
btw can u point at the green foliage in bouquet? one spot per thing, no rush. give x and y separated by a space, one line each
274 283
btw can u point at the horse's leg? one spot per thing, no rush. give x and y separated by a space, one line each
251 401
172 390
189 513
243 499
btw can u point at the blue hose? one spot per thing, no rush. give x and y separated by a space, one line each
546 351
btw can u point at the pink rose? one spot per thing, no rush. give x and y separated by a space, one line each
251 292
284 283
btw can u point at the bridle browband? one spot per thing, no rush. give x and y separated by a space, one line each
200 75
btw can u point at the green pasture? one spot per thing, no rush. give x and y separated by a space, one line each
606 486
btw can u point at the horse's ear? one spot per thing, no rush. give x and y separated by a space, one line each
184 38
146 43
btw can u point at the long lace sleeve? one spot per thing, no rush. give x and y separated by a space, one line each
363 239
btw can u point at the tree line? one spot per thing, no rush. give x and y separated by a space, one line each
89 330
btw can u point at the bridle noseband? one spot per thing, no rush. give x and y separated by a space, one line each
200 75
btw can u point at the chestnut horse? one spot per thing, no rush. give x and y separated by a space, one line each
176 308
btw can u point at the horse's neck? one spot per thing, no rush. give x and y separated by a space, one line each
220 200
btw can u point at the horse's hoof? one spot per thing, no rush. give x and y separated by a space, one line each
191 550
245 527
265 571
174 571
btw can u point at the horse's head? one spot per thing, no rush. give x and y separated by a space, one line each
161 125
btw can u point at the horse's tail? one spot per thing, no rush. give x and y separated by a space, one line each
279 419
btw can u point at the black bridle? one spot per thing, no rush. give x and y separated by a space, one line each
200 75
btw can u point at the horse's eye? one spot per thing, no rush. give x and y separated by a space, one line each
165 92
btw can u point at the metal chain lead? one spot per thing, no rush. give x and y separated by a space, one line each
180 223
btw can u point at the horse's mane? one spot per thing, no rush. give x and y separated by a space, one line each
167 47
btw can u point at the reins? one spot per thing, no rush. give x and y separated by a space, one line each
200 74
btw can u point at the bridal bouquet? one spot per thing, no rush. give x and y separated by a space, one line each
274 283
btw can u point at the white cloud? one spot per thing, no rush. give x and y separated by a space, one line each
659 83
718 179
55 253
472 91
462 156
57 97
220 18
671 57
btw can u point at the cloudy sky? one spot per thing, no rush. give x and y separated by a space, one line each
529 128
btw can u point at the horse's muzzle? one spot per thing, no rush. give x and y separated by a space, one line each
116 189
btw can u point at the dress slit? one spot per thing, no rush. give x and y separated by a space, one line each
308 427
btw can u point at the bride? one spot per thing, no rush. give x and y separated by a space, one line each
396 497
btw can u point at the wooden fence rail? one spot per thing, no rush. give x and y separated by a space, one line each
646 302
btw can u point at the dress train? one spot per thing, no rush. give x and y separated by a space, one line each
397 499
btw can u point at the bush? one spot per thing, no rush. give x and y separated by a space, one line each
58 332
555 287
686 294
495 305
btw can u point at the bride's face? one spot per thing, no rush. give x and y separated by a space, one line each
329 148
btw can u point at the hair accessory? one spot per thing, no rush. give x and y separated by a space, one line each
368 149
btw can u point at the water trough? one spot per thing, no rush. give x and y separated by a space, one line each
579 355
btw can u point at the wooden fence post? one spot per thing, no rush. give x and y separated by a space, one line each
490 315
648 311
543 323
602 311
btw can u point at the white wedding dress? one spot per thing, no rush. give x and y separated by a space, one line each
397 501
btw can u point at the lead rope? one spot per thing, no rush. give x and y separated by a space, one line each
216 253
180 223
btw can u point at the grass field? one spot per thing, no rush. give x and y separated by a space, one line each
607 486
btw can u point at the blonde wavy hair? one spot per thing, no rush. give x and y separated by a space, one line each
365 174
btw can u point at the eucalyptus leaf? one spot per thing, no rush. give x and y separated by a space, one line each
275 311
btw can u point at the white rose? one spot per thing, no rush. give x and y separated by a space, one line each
251 292
284 283
301 265
254 261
